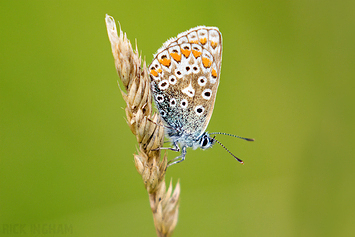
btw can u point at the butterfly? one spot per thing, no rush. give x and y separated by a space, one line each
185 74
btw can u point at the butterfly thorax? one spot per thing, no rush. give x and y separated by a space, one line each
184 138
203 141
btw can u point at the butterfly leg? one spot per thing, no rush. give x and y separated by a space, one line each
175 148
178 159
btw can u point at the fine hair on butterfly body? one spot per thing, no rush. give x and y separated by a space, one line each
185 75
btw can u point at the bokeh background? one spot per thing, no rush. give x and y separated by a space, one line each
287 80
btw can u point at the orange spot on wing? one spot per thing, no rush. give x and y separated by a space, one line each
186 52
159 70
214 44
206 62
176 57
196 53
214 73
153 72
203 41
165 61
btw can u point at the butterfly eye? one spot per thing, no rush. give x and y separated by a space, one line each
206 142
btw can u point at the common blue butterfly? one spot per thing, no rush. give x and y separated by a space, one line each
185 74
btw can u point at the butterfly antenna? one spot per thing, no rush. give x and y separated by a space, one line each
244 138
228 150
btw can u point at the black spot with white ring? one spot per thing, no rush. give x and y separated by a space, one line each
159 98
199 110
179 73
162 113
172 102
202 81
188 70
195 68
172 80
184 103
163 84
206 94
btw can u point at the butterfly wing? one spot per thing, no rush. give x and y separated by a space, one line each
185 75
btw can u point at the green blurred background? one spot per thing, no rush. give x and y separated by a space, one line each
287 80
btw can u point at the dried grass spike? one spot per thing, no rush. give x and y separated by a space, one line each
138 98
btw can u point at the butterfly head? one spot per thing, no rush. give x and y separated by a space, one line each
206 141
